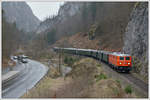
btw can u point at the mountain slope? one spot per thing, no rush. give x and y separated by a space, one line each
11 40
65 12
21 14
80 17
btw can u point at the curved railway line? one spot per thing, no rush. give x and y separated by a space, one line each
137 81
139 86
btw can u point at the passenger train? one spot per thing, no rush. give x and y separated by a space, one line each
118 61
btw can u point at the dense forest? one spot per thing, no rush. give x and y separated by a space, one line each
12 39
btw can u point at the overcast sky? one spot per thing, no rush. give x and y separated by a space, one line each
45 9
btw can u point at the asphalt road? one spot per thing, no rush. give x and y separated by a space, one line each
30 74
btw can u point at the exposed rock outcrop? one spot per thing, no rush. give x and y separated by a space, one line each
67 10
136 37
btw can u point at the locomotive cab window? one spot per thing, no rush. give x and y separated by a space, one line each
121 58
127 58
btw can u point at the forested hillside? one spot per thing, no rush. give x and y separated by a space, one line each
12 39
18 24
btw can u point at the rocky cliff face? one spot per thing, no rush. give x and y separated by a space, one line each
67 10
136 37
21 14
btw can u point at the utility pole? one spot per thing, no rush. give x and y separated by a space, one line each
59 67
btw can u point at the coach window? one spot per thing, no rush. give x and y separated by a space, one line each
127 58
121 58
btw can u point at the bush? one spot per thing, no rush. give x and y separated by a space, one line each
66 60
128 89
69 60
98 65
118 81
101 76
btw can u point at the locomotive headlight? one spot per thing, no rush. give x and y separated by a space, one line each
128 63
120 63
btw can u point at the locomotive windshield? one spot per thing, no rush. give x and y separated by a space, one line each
127 58
121 58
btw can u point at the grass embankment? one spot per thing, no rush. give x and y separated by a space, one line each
86 80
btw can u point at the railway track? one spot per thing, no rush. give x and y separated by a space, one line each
138 85
141 84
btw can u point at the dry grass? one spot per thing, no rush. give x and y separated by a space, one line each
81 40
47 88
80 83
107 89
82 79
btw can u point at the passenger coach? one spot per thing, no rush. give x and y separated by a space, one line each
120 62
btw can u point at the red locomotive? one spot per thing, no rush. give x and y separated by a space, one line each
120 62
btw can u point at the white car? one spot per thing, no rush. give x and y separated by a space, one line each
24 60
23 56
15 57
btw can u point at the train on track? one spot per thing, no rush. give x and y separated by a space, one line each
116 60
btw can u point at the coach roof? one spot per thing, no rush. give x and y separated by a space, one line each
119 54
